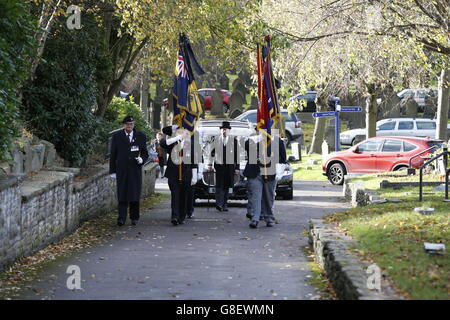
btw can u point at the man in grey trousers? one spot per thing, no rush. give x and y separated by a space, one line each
262 176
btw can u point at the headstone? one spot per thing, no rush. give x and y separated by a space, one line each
391 107
236 101
49 154
410 107
17 165
253 103
234 113
330 134
238 85
325 148
217 108
37 160
430 108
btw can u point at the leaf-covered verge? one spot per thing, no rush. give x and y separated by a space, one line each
92 232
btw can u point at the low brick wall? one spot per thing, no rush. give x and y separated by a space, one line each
37 211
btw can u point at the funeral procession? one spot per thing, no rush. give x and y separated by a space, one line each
223 158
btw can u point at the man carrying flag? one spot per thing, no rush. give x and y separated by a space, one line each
270 149
182 170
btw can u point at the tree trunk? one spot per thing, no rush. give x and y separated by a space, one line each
319 133
144 91
443 104
371 113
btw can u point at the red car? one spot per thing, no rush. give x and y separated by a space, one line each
377 154
207 94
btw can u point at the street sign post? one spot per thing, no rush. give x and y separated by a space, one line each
335 114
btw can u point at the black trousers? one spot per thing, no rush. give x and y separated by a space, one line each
190 200
181 199
134 210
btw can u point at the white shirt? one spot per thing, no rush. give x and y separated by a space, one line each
224 140
131 135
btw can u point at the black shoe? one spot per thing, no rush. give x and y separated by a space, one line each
219 208
174 222
225 208
253 224
270 224
181 222
134 222
190 216
120 223
249 216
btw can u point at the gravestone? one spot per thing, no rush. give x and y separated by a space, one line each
330 134
234 113
37 157
325 148
409 107
430 108
217 103
49 154
238 85
391 107
253 103
236 101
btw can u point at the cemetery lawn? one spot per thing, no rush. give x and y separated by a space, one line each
392 235
301 171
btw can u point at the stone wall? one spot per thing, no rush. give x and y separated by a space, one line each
39 210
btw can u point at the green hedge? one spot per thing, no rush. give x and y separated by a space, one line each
16 47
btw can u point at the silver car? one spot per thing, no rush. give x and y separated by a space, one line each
293 125
405 127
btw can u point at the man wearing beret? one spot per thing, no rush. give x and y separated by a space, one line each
128 154
181 171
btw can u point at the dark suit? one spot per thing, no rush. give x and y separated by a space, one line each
179 177
122 162
225 164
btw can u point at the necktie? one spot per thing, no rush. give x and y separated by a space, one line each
129 137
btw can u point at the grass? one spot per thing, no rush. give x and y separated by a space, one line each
305 170
92 232
392 235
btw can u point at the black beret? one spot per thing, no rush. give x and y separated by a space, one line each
128 119
167 130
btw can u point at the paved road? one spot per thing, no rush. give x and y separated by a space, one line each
214 256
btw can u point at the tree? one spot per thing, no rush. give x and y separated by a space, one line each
16 48
57 105
337 48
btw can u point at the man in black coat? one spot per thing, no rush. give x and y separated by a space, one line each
226 164
181 171
128 154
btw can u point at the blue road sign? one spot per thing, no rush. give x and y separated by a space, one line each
351 109
324 114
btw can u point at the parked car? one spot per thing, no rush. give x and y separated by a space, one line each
418 95
378 154
310 97
205 188
207 94
410 127
293 125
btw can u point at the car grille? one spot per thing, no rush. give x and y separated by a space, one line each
209 178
